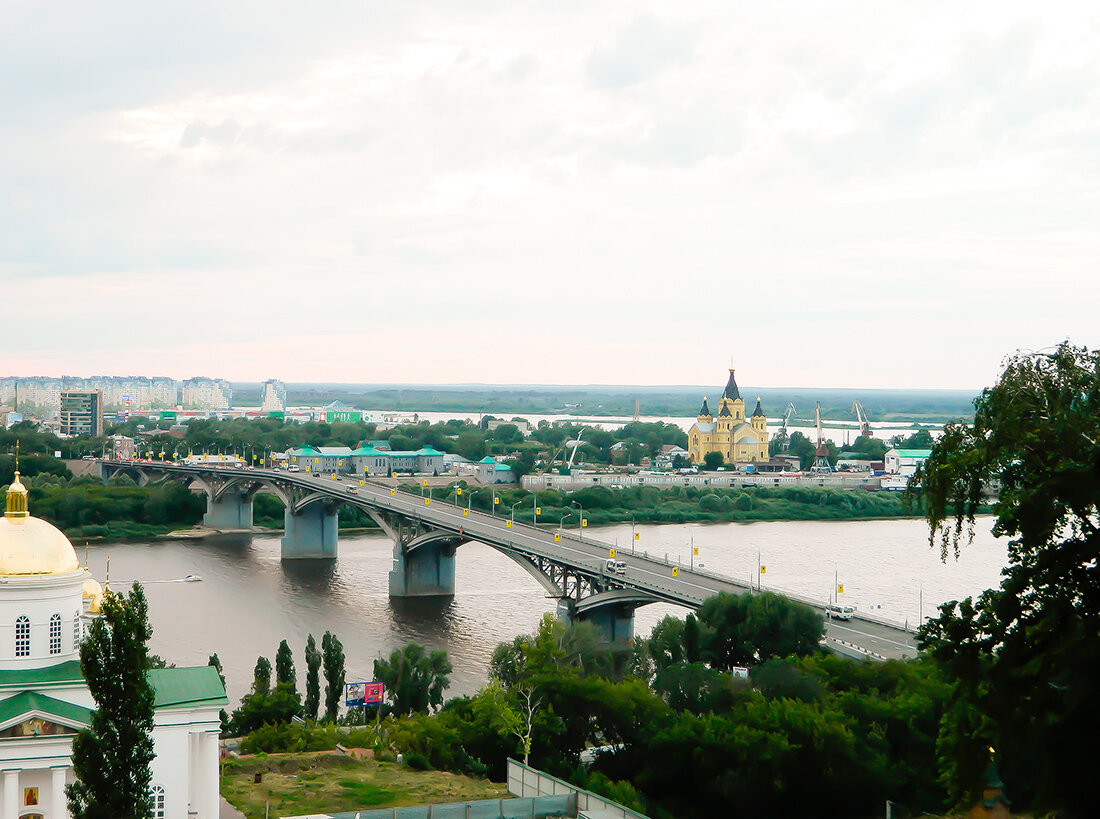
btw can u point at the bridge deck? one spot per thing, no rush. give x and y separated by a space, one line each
861 636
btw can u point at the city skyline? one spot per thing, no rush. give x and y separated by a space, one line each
852 195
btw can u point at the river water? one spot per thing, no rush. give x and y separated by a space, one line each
249 600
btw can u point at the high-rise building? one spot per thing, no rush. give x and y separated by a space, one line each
274 396
81 412
206 394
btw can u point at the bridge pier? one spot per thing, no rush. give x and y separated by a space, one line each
231 511
311 533
615 621
426 571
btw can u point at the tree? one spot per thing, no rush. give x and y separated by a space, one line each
261 676
1023 657
216 662
744 629
332 659
313 681
284 667
274 707
111 758
415 678
713 460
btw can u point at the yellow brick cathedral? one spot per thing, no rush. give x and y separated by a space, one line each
739 440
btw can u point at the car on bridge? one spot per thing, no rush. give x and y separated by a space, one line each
615 567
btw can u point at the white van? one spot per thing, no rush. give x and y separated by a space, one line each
835 612
615 567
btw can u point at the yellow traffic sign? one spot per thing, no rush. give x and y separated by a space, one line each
465 513
612 553
584 522
695 551
637 535
763 570
557 538
427 501
675 572
508 524
538 510
840 588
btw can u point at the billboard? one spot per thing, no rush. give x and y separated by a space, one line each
363 693
349 416
278 415
168 415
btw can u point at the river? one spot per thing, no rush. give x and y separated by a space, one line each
249 600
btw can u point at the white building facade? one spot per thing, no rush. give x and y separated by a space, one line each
46 602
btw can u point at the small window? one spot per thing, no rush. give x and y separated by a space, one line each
158 802
55 634
23 636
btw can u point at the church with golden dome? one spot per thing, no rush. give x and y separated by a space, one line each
47 601
740 440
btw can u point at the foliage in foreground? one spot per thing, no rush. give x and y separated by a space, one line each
1023 658
111 758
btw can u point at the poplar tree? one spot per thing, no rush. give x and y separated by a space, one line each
332 657
284 668
313 678
111 757
261 676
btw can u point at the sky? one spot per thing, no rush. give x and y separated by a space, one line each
845 194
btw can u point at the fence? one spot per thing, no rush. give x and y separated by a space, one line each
524 781
533 807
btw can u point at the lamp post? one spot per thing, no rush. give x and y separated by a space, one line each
561 523
580 520
633 533
512 517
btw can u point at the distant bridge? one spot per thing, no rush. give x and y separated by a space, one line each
426 533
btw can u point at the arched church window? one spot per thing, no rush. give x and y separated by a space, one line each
158 802
76 631
55 634
23 636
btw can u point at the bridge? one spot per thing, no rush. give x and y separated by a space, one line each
427 532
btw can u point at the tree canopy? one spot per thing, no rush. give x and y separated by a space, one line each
1024 657
111 758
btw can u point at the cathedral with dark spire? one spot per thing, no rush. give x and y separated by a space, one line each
740 440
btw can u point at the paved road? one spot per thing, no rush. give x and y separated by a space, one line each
861 636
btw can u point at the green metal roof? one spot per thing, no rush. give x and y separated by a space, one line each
913 453
304 450
50 675
369 451
179 687
487 460
197 685
28 701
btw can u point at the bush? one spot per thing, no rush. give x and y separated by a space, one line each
417 761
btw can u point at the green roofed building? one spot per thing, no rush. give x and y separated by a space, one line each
365 461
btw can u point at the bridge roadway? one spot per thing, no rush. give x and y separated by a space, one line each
647 579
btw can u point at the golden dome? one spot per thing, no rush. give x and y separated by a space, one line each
92 588
96 606
30 545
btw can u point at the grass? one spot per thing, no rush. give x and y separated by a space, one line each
296 784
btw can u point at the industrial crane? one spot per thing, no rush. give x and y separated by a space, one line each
821 454
864 422
791 413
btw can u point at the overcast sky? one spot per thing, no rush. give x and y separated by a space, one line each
849 194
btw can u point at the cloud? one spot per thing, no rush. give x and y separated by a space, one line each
554 182
641 48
